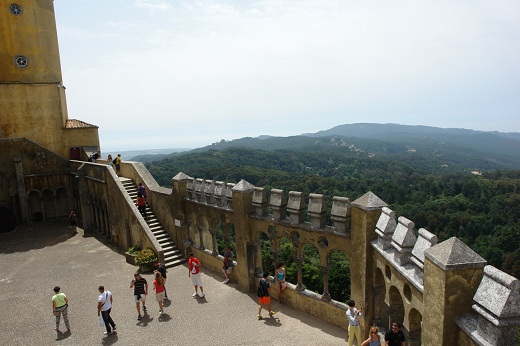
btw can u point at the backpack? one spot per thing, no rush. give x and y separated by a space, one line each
114 162
260 292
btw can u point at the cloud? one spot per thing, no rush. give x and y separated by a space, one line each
153 5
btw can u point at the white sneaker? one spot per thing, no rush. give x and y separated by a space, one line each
225 281
202 295
194 294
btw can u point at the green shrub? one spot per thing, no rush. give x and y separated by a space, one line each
133 250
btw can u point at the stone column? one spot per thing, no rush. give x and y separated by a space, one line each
242 196
177 206
325 296
452 272
377 298
299 276
22 193
365 214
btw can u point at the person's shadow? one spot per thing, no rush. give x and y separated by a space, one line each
62 335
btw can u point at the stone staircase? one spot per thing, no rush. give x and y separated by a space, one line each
172 255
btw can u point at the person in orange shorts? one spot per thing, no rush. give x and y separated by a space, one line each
264 297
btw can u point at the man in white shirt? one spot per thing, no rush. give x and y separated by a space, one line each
354 328
104 308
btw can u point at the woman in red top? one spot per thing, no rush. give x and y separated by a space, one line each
158 286
141 204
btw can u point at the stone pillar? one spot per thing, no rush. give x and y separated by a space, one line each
325 296
340 214
86 207
260 201
299 276
278 204
377 298
296 207
242 196
22 193
365 213
317 210
452 272
177 206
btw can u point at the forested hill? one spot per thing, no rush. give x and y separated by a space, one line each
435 148
483 211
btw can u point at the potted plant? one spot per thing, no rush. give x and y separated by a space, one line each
131 254
145 259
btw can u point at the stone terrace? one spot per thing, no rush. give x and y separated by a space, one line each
35 259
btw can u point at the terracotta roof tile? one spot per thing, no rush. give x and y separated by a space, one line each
77 124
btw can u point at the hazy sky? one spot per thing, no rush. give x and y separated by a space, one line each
185 74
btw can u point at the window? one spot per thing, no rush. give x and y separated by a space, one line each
21 61
15 9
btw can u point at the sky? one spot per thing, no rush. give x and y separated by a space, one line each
186 74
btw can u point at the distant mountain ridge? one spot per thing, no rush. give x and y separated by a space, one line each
466 149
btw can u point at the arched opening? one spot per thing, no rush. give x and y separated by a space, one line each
312 274
339 276
49 204
35 205
286 256
267 255
380 306
396 306
415 328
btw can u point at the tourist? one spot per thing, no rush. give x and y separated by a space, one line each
104 308
395 337
142 190
227 269
354 328
117 163
373 339
158 286
73 220
140 286
194 273
60 305
109 160
161 268
280 279
264 297
141 204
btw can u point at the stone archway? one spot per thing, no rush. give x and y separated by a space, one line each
415 327
380 306
396 306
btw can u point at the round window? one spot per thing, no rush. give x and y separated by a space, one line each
15 9
21 61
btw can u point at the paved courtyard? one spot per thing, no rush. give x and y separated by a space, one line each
35 259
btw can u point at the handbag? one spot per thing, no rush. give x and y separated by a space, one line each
101 322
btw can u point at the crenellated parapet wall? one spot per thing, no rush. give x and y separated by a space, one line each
439 292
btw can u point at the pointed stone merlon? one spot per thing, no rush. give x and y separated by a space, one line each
403 240
296 207
229 195
278 204
180 179
424 242
220 193
385 228
199 189
497 303
209 191
317 210
260 201
341 214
